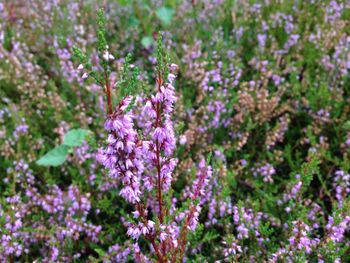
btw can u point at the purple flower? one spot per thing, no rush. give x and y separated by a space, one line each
122 155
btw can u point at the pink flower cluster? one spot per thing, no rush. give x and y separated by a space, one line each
122 156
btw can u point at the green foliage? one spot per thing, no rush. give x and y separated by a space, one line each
80 55
58 155
308 170
75 137
147 41
225 121
165 15
101 35
55 157
160 54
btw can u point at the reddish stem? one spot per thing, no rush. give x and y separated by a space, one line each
138 205
109 94
156 249
184 230
159 185
158 152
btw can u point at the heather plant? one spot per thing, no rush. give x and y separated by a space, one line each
174 131
140 159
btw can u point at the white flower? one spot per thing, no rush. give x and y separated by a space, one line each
85 75
183 139
136 214
107 56
150 224
171 77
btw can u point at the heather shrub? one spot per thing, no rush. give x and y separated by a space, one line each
174 131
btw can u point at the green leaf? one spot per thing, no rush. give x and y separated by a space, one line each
210 236
165 15
123 2
133 21
75 137
55 157
100 252
346 125
147 42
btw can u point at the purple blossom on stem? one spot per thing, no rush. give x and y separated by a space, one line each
198 192
158 109
335 231
122 156
342 186
300 239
